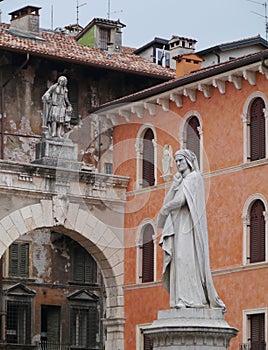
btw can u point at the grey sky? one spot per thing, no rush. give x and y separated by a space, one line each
210 22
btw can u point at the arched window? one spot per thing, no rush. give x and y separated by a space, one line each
148 178
257 129
257 232
193 136
147 254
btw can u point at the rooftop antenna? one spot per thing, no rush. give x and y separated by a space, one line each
77 11
109 10
1 13
264 4
52 25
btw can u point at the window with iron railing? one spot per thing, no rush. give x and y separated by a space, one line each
18 322
84 326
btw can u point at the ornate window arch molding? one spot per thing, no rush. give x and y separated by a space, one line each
139 245
139 154
183 132
246 119
246 222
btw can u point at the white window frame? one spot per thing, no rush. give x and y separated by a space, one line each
159 52
183 133
246 127
139 155
246 322
139 335
246 229
139 244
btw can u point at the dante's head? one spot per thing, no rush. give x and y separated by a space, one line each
189 156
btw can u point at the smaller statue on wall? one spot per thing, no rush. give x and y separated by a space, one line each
167 162
57 109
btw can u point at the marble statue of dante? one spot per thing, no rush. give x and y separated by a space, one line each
184 240
57 108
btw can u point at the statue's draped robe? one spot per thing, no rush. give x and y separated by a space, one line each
186 269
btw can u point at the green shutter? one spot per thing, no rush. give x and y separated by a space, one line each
19 259
85 268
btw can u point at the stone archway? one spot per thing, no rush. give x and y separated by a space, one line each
99 239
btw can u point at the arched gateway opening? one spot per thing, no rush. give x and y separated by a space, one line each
62 279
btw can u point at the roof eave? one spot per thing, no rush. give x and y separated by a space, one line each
192 78
89 64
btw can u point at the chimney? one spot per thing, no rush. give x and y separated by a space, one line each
118 39
179 46
187 63
25 19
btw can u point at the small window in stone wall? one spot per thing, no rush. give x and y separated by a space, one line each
108 168
84 266
18 322
19 260
84 326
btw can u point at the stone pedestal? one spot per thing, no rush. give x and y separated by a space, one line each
191 329
60 153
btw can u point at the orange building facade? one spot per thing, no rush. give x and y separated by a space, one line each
220 113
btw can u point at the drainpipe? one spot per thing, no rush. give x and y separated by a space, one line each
218 57
3 102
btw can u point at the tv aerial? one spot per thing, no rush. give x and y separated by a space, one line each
109 12
264 4
77 11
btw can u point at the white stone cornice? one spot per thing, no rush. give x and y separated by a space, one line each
250 76
220 84
150 107
164 102
236 80
177 98
191 93
125 113
138 110
206 89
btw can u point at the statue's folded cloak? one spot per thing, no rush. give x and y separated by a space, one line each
193 188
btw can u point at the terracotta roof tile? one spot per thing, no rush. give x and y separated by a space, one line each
64 47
